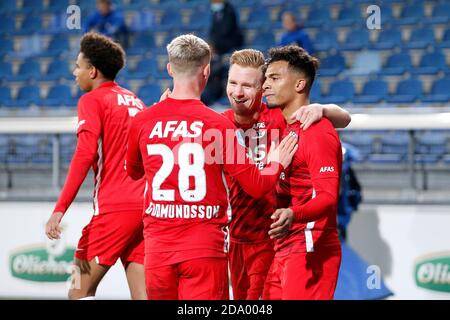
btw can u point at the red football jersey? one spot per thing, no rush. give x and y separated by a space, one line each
106 112
251 217
310 186
185 149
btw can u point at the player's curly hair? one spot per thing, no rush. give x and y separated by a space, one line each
298 60
103 53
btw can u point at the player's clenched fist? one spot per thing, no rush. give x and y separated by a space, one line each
283 222
52 229
284 152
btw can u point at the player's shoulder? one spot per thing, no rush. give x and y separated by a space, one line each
219 120
88 99
323 125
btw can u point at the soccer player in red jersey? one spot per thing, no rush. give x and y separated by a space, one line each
184 149
308 253
116 229
251 249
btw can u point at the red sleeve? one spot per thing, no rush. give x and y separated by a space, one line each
236 163
82 160
89 115
323 155
134 165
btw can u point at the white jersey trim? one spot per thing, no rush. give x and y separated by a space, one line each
308 231
225 229
98 178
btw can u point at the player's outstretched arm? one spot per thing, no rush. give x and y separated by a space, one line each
311 113
259 182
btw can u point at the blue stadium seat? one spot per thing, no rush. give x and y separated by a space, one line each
440 14
332 65
356 40
27 95
170 20
58 96
411 14
6 71
388 39
325 40
385 158
58 45
58 69
397 64
138 4
258 17
7 7
341 91
348 16
363 141
431 143
30 25
68 143
408 91
446 159
30 69
263 38
315 94
57 6
149 93
445 42
144 69
7 47
439 91
430 63
141 43
4 148
318 17
143 20
374 91
421 38
200 20
58 23
32 6
5 96
395 143
7 24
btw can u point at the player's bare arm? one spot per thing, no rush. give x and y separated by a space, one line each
307 115
52 228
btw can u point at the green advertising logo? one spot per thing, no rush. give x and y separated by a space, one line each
433 273
37 264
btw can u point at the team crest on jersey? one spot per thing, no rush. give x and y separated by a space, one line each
259 125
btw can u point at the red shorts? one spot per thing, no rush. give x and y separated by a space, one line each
111 236
249 265
196 279
303 276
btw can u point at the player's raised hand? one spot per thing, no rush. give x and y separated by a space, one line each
284 152
52 228
308 114
283 222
